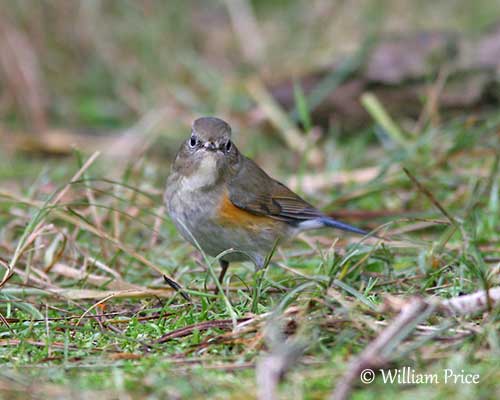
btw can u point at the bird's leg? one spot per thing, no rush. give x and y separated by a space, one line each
224 265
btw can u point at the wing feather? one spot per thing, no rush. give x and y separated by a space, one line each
251 189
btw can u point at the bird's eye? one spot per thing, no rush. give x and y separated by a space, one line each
193 142
228 145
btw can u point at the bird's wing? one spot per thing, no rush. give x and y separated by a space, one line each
252 190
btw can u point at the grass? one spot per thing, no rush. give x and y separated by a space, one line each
83 331
87 313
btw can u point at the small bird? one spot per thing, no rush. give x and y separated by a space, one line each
219 199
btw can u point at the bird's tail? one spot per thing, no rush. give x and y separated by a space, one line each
331 223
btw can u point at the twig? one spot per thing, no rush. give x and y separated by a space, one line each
458 306
271 369
374 355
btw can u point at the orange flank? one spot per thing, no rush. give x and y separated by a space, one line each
229 215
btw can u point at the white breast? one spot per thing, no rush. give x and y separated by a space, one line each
204 176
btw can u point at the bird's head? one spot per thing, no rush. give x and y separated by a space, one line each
208 154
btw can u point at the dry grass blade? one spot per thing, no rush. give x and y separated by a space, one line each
431 197
313 183
22 72
31 233
97 219
289 132
102 301
17 342
96 280
245 25
225 324
90 294
6 323
103 235
431 108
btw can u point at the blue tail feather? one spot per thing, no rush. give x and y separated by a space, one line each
331 223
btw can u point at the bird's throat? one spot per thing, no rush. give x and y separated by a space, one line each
204 175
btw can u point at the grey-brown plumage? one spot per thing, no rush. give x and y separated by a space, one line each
219 199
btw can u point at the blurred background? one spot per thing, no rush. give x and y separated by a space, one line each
98 67
121 75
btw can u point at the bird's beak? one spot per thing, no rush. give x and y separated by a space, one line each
210 146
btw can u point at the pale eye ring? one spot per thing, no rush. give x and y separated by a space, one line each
229 145
193 142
